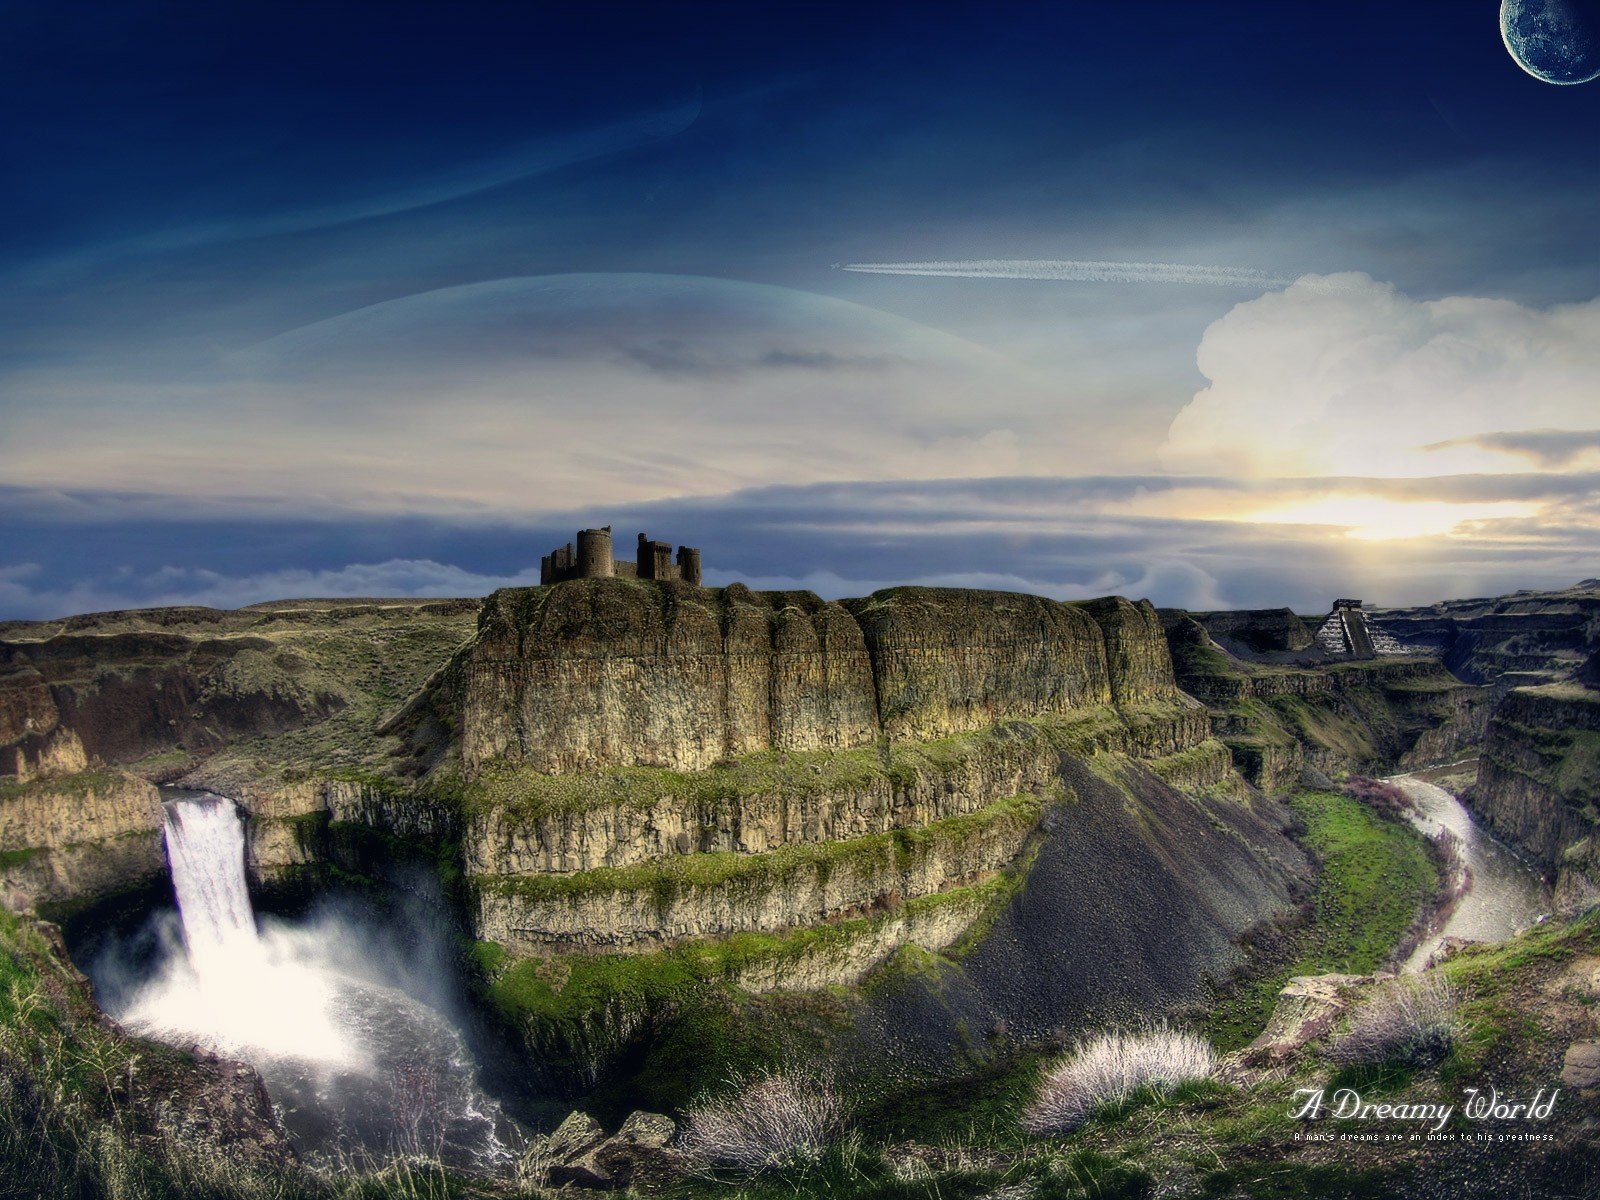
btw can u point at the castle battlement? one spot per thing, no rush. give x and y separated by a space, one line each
591 557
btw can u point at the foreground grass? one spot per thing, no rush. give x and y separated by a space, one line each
1374 878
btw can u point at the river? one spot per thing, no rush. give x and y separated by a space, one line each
1504 894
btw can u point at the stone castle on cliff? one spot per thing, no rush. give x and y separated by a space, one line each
592 559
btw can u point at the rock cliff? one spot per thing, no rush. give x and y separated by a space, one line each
1384 714
602 673
1523 639
608 672
1539 784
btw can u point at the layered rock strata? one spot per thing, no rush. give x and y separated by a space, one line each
1539 784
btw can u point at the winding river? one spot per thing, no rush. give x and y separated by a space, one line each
1503 894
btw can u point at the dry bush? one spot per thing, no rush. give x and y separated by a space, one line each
1380 796
768 1121
1110 1068
1411 1020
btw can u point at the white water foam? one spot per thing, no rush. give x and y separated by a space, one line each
236 992
353 1062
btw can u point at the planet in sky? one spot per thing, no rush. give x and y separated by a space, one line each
1557 41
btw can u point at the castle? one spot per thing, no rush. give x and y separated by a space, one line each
592 559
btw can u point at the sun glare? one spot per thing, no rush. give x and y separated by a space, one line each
1375 518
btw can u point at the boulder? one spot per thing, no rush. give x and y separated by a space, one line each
1307 1008
638 1155
1582 1066
578 1133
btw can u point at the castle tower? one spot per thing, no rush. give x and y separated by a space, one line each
655 559
594 554
689 565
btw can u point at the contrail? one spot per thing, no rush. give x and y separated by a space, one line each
1079 271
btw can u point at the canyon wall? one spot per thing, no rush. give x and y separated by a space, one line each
603 673
1539 784
1384 714
1521 640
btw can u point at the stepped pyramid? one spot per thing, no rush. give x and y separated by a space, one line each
1347 634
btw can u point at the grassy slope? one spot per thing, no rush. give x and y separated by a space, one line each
1375 876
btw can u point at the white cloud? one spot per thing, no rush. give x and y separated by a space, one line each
548 392
1343 375
168 586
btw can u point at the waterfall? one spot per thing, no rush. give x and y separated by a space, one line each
205 847
355 1063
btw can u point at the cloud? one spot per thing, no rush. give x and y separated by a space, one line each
1360 379
549 390
1547 447
20 597
425 186
1068 538
1078 271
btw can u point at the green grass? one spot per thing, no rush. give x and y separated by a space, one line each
75 786
1374 877
576 986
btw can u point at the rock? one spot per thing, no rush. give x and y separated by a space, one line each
1307 1008
575 1135
648 1129
598 673
1582 1066
637 1155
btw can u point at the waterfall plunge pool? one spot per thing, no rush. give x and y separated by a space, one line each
354 1022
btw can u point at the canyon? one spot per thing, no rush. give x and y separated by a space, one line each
644 798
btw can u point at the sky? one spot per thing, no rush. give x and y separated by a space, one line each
343 299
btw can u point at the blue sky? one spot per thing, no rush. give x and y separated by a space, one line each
346 299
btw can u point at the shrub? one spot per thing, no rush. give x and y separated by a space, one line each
1111 1068
1380 795
769 1121
1411 1021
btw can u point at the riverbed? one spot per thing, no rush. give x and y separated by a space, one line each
1504 894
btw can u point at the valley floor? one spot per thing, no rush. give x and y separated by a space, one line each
83 1112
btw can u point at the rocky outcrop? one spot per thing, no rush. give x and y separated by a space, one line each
669 900
1539 784
580 1154
1262 630
606 672
1524 639
76 837
1368 716
535 825
602 673
1308 1008
947 661
131 694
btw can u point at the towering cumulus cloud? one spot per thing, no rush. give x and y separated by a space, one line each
1343 375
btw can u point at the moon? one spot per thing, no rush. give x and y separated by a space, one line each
1556 41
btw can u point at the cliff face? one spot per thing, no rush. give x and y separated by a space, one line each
1525 639
947 661
651 763
75 837
94 709
1378 715
596 673
1539 784
601 673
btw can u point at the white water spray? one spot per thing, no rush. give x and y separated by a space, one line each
352 1061
236 992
